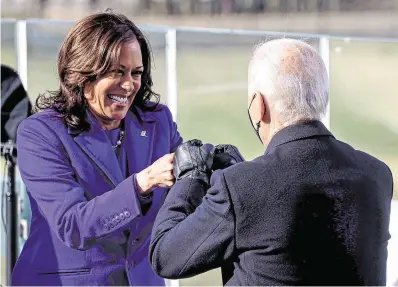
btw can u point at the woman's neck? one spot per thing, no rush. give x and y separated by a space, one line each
109 125
106 123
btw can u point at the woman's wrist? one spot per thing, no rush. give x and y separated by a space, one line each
144 182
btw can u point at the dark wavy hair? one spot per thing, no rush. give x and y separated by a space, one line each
91 49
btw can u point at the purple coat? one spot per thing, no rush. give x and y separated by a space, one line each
82 205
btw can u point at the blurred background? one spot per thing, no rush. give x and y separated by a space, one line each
344 17
210 72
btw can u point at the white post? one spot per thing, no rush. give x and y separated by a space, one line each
21 45
172 283
171 78
324 51
171 71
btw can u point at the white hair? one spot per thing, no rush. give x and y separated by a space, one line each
290 74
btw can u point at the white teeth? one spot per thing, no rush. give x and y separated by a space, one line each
118 99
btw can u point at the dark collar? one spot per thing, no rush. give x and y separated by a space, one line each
298 131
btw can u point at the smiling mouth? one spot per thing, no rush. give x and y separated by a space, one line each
119 99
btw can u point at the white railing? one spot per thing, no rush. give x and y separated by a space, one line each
171 55
170 34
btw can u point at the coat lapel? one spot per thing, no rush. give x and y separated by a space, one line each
139 141
96 145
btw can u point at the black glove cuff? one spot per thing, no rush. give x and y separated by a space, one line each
197 174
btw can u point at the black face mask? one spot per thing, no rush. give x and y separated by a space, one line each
257 128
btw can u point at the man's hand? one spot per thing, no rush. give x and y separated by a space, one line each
225 156
193 159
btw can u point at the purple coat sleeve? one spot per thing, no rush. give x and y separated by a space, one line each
46 171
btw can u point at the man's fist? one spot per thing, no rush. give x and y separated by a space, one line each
226 155
193 159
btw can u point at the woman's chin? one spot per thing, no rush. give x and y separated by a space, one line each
119 115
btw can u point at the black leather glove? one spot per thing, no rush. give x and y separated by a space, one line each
225 156
193 159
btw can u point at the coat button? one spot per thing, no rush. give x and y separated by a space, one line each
127 213
121 216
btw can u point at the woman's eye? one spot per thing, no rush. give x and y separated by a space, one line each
117 72
137 73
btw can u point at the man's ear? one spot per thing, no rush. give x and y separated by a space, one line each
259 106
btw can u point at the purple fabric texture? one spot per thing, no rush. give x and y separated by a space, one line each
88 226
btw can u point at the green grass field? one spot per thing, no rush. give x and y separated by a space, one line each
212 97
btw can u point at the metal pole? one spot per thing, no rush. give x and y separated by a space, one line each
171 77
21 44
9 152
171 71
11 210
324 51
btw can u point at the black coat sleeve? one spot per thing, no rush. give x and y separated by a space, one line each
194 230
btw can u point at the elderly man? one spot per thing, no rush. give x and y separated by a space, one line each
311 211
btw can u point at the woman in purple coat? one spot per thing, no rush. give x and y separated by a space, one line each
96 161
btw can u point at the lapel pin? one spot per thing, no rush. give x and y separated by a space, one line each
143 133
